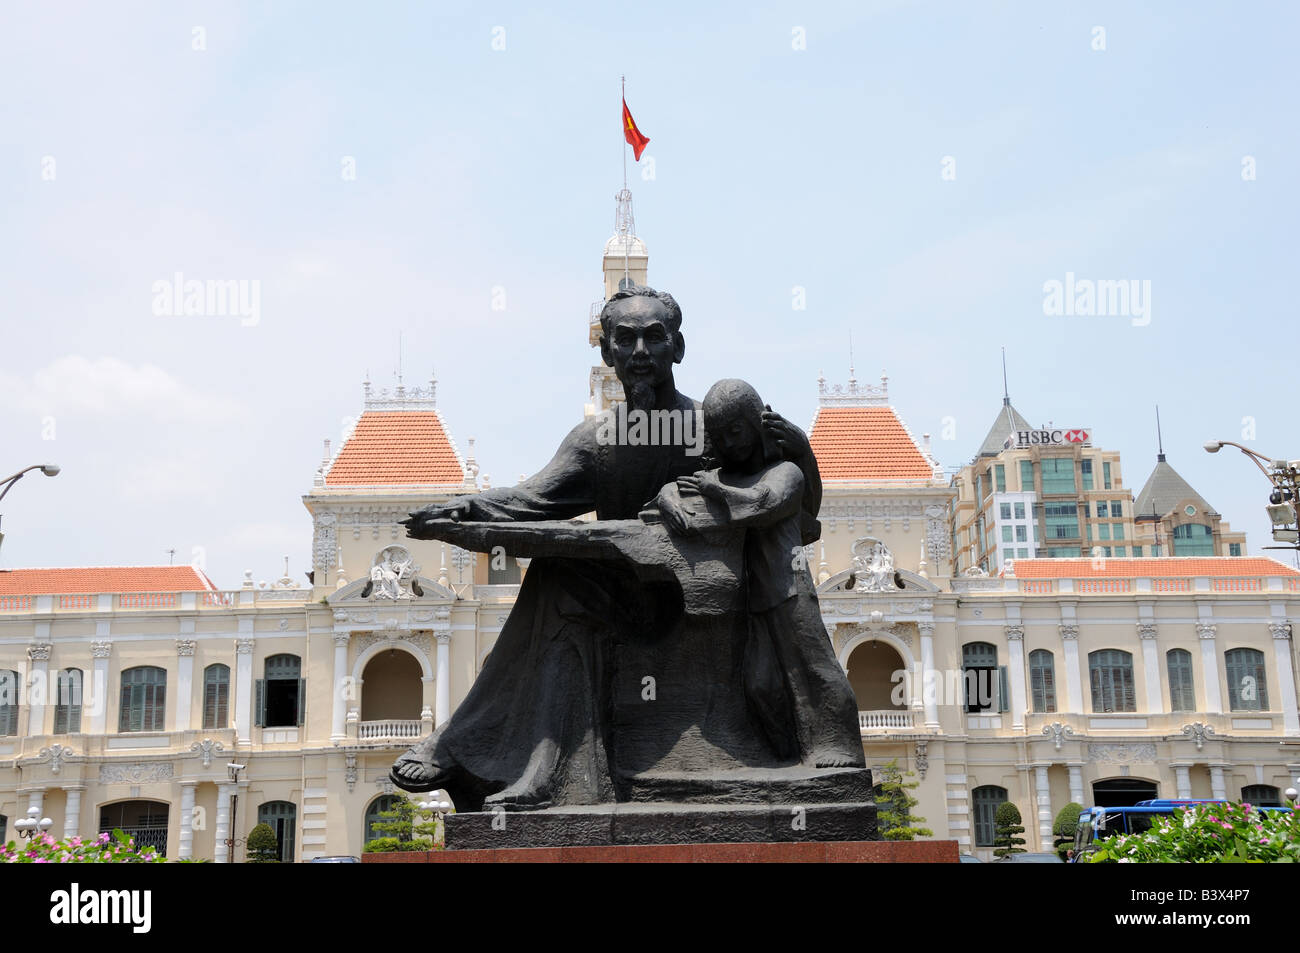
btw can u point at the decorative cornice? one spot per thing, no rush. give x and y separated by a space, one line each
185 648
922 758
1205 630
443 636
1198 732
141 772
341 639
1069 631
1280 630
101 649
1059 733
244 646
927 628
1015 632
1146 630
39 652
55 755
205 748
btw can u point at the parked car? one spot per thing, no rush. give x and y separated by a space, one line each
969 859
1031 858
340 859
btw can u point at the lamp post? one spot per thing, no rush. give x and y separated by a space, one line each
232 840
434 809
49 469
1284 475
33 825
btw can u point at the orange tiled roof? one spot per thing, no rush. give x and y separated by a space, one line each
397 447
865 443
1156 566
36 582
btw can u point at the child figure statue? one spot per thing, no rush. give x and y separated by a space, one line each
795 690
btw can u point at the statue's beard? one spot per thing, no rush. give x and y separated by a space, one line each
640 395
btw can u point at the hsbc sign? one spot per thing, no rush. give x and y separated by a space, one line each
1021 439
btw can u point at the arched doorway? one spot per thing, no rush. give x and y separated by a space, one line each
876 675
1123 792
392 693
282 816
146 821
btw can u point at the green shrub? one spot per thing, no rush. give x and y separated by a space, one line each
1208 834
1007 825
894 817
263 847
1067 822
386 845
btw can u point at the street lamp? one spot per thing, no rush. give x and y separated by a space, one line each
33 825
49 469
232 840
435 809
1284 475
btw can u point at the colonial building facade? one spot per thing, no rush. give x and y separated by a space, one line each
127 694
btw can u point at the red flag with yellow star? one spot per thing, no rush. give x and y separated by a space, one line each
632 134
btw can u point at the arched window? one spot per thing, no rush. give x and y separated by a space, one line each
282 816
1111 673
1193 539
4 825
281 695
1262 795
216 697
374 815
1182 693
986 800
67 702
1247 682
986 683
144 699
8 702
1042 680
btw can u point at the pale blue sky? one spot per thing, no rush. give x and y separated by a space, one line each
477 168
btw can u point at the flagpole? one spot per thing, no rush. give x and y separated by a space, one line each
627 238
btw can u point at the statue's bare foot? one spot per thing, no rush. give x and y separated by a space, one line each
520 796
413 772
837 761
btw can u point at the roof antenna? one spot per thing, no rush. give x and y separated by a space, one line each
1006 394
1160 442
852 376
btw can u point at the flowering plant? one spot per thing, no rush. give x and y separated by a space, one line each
1208 834
115 848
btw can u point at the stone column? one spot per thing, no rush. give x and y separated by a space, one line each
183 697
442 691
1285 676
72 812
1218 788
187 819
930 686
1183 781
1073 679
1043 794
1210 668
338 723
39 656
1155 701
220 852
1076 784
243 691
100 650
1016 672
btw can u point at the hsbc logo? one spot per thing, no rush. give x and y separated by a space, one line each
1046 438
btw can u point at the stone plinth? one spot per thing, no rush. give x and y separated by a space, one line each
628 824
814 852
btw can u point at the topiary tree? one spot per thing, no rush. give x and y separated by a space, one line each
263 847
1067 822
1006 826
404 830
894 804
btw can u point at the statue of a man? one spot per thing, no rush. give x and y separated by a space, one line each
535 727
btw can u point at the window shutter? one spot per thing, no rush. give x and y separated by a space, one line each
261 703
160 708
125 716
1004 696
302 701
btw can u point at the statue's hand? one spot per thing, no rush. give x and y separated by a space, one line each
417 523
675 514
792 441
703 482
